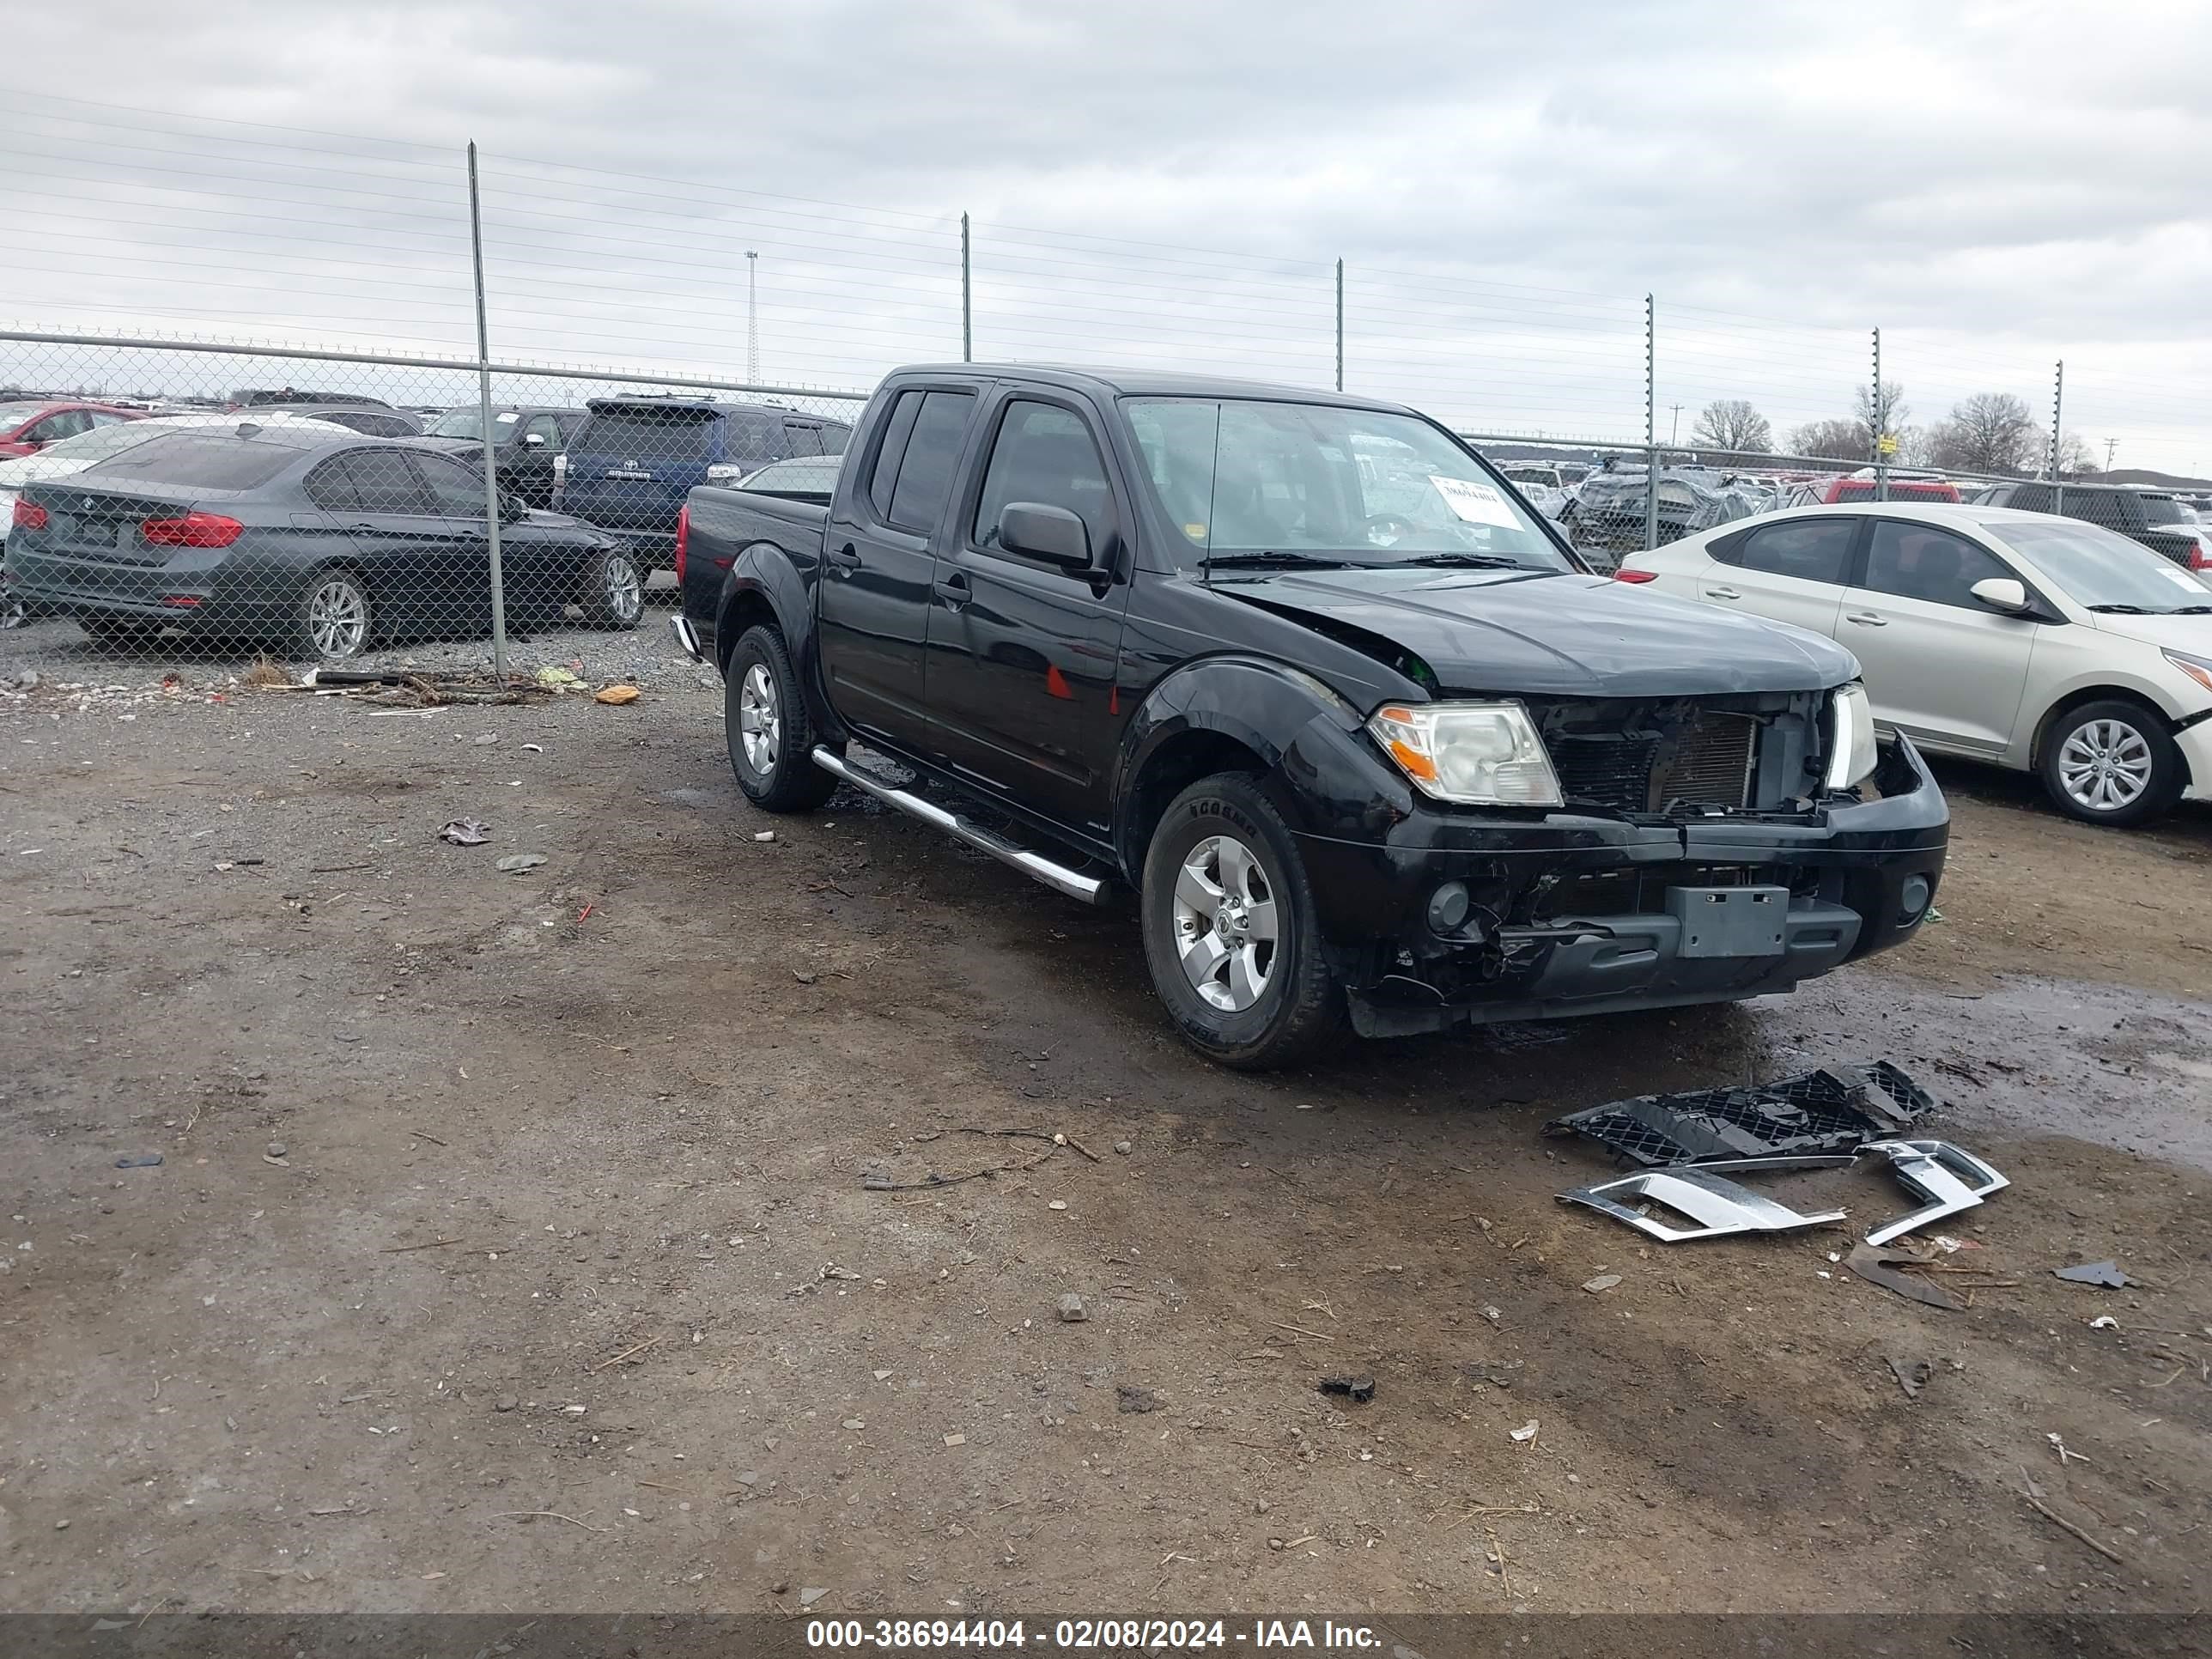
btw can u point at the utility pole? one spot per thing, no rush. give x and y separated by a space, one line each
484 426
2058 408
752 318
1674 431
1879 410
1651 424
2111 444
967 298
1340 325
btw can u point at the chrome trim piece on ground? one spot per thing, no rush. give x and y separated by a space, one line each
1950 1178
1718 1205
1058 876
688 637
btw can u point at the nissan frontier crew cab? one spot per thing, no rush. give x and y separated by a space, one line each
1366 740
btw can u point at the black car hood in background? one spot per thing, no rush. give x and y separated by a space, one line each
1504 632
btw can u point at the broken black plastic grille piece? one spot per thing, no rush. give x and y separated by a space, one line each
1836 1108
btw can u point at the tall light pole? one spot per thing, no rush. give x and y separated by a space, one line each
752 316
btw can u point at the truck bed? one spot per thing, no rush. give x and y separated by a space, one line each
726 522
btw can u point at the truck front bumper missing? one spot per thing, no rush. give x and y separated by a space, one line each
1460 916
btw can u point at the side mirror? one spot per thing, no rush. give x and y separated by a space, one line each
1051 533
533 440
2002 593
512 508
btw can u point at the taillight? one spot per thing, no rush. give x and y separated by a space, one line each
2200 554
29 515
682 540
193 530
1625 574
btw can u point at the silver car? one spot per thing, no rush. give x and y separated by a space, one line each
2039 643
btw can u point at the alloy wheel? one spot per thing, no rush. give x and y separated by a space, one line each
1226 925
625 590
338 618
759 722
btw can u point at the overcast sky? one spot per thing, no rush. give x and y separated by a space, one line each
1995 185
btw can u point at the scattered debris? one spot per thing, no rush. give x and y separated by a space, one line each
1601 1283
515 863
1717 1206
2064 1525
139 1161
1134 1402
1357 1389
1071 1311
1526 1432
1837 1108
630 1353
765 834
1882 1268
1911 1374
807 1598
1949 1177
2065 1455
277 1148
465 832
2107 1274
956 1439
1123 1147
2104 1323
615 695
1491 1314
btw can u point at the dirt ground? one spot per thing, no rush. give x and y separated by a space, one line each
564 1290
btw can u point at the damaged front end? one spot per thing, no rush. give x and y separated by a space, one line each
1697 857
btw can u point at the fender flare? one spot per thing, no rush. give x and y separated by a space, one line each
1307 735
765 573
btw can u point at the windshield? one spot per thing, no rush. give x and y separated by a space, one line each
90 446
2163 509
14 414
2097 567
1242 479
469 424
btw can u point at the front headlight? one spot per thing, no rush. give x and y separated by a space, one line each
2196 667
1851 757
1475 754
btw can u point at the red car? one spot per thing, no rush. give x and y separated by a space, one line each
29 426
1826 492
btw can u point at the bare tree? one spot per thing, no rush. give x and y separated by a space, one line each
2076 458
1732 423
1989 432
1841 441
1873 419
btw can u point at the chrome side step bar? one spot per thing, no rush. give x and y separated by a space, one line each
1089 889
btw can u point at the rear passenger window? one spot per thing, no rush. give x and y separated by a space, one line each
1811 550
800 439
1919 562
835 436
925 474
752 440
891 451
330 487
383 481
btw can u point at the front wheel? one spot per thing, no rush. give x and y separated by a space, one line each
1231 932
770 733
2110 763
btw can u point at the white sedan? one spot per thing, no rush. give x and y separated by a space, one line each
2039 643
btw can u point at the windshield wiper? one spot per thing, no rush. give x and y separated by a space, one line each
1264 560
1475 561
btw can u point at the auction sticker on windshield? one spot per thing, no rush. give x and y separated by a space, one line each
1475 503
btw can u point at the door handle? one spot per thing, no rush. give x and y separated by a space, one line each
1867 619
1722 594
954 589
845 558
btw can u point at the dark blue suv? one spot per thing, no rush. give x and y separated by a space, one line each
636 459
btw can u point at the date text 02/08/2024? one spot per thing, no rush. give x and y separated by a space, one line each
1079 1634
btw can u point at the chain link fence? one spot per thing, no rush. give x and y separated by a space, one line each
192 504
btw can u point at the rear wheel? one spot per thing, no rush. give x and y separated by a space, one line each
334 618
1231 932
2110 763
770 733
613 592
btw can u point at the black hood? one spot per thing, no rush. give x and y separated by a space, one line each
1504 632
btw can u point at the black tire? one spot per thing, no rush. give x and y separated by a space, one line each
334 621
761 688
2130 742
1299 1007
612 594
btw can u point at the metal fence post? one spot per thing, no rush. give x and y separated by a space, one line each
1650 425
484 428
967 298
2057 409
1880 407
1340 325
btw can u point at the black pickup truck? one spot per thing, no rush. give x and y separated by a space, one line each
1359 730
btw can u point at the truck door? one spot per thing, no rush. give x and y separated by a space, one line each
873 611
1022 653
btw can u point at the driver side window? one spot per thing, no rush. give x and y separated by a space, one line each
1919 562
1045 454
